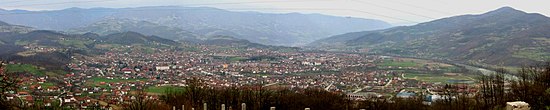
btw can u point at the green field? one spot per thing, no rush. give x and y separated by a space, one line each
162 89
75 43
437 78
107 46
24 68
450 69
399 64
148 50
533 54
237 58
19 42
97 80
47 84
59 73
316 72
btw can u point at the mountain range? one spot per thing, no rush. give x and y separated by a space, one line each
5 27
111 26
177 23
505 36
54 49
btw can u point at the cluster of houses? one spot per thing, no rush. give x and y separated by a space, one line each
112 79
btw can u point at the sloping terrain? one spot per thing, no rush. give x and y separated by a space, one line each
502 37
5 27
53 50
129 38
111 26
289 29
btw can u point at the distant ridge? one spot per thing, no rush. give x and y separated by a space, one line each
111 26
129 38
6 27
3 23
292 29
505 36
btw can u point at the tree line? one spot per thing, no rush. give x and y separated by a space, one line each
532 86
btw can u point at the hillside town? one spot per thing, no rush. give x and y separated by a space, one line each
274 55
113 78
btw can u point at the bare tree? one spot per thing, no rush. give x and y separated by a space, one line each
8 83
533 86
143 103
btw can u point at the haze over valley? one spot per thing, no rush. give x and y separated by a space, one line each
291 29
258 55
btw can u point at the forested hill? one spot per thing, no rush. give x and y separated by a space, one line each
505 36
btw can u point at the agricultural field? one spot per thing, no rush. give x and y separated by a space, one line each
75 43
317 72
511 69
447 78
426 62
237 58
25 68
427 70
19 42
450 69
533 54
107 46
411 62
392 63
47 84
97 80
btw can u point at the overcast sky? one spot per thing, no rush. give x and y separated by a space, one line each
393 11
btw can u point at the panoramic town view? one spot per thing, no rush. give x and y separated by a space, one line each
274 55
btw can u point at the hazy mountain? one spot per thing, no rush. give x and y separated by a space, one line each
228 41
3 23
274 29
5 27
83 41
111 26
129 38
55 20
501 37
22 47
